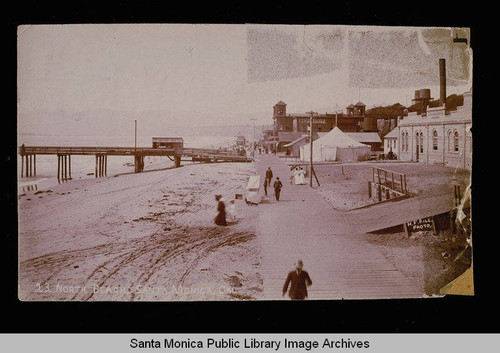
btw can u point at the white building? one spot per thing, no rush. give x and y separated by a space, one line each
391 141
437 137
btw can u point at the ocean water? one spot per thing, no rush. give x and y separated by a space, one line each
84 166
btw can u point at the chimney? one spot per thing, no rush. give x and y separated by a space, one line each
442 82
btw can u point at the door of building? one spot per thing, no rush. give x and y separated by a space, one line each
417 143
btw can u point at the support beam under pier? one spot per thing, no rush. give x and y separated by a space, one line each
28 162
177 161
64 167
138 163
101 165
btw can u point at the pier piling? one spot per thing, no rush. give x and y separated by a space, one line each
28 165
138 163
101 164
177 161
63 167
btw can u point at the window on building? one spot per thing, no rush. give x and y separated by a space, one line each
420 141
455 141
449 140
434 140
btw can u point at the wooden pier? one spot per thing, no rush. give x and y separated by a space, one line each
28 157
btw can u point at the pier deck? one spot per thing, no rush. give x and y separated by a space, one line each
64 153
126 151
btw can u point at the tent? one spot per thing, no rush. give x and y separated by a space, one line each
252 195
336 146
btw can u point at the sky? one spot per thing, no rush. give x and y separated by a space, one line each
226 74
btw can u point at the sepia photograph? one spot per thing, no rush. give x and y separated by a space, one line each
243 162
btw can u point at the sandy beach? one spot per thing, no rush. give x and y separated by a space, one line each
147 236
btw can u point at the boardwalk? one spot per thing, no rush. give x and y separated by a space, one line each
341 263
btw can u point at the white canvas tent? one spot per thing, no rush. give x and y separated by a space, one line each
336 146
252 195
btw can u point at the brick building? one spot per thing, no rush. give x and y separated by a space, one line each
290 127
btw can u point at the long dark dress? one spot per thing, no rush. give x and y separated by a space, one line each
220 219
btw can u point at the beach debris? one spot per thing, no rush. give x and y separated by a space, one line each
241 296
234 281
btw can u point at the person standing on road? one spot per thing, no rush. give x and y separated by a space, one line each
277 188
265 186
269 175
298 280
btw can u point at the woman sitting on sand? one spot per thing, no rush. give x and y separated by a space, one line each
220 219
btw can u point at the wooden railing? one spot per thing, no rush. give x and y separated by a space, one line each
388 185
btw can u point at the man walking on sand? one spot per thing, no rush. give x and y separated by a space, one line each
298 280
277 188
269 175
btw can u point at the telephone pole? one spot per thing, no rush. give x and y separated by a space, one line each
311 147
253 147
135 135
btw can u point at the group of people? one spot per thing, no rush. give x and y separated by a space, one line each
277 184
297 176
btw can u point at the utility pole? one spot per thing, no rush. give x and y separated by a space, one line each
311 147
135 136
253 148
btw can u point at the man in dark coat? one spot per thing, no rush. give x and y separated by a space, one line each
269 175
277 188
298 280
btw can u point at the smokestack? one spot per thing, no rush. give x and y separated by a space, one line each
442 82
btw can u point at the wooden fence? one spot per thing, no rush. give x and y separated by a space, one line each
387 184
